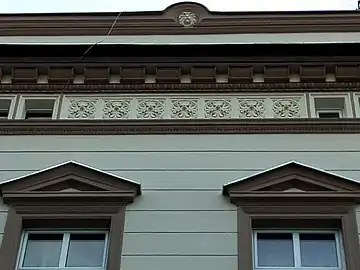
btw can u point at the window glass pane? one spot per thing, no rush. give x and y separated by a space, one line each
275 250
86 250
43 250
318 250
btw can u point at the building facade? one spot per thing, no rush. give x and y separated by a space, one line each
180 139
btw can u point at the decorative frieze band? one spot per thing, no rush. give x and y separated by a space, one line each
188 107
154 73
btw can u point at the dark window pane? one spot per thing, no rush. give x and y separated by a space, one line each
43 250
329 115
275 250
86 250
318 250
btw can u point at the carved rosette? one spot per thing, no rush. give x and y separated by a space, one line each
116 109
184 108
251 108
217 108
82 109
286 108
188 19
150 109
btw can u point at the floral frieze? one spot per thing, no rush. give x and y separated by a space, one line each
183 107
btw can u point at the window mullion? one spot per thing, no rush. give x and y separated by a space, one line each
296 243
23 249
64 249
254 247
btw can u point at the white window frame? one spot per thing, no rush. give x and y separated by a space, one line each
296 248
21 108
12 104
339 111
64 249
346 111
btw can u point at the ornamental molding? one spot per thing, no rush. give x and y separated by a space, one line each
217 108
156 23
184 107
188 19
252 108
82 109
116 109
150 108
150 127
286 108
180 88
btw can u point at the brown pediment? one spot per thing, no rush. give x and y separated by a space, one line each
69 180
292 180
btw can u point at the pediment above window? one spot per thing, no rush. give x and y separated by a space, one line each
292 181
70 181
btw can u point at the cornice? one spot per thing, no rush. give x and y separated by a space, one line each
167 22
199 88
150 127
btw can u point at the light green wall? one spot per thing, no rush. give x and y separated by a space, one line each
181 220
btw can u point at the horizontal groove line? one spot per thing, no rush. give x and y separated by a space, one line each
180 210
178 255
183 189
196 210
180 151
182 170
181 232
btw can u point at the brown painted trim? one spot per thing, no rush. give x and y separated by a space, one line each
11 240
149 127
116 236
245 257
41 199
314 206
348 229
167 23
180 88
351 240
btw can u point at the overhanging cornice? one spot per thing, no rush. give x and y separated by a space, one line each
168 22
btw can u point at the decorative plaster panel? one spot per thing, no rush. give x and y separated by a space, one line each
184 107
82 109
286 108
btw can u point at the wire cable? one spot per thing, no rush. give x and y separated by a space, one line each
93 45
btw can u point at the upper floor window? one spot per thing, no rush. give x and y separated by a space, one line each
297 249
63 250
296 217
330 106
83 211
37 108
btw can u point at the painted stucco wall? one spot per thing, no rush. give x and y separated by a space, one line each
181 220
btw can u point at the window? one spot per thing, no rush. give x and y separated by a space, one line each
292 216
329 113
83 211
37 107
63 250
296 249
335 106
5 108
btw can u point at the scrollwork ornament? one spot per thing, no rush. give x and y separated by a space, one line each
184 109
188 19
150 109
217 108
116 109
251 108
82 109
286 108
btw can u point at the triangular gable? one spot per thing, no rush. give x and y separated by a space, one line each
70 176
292 177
